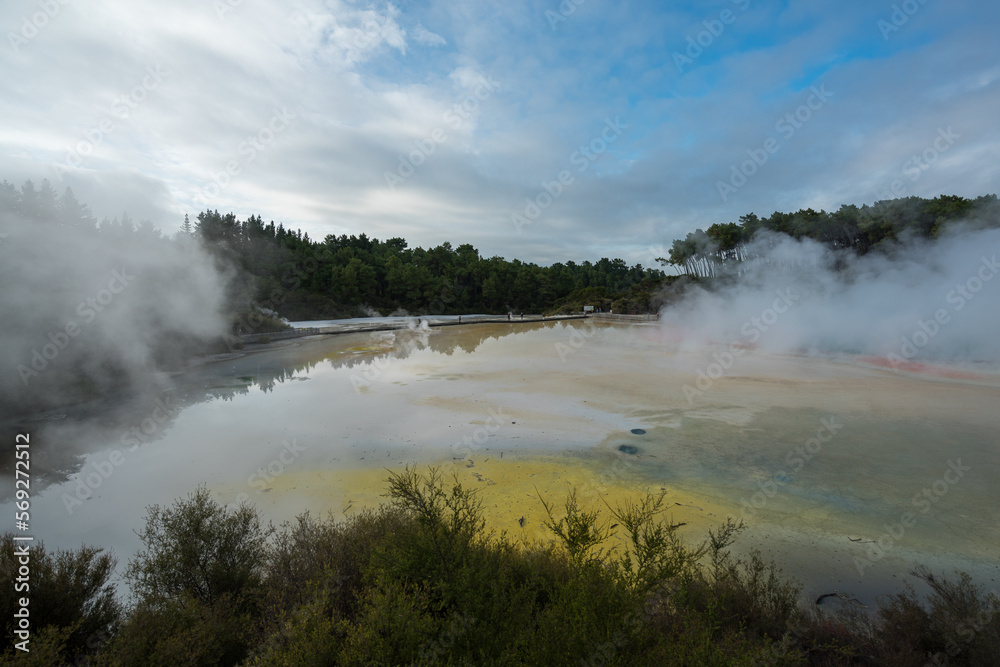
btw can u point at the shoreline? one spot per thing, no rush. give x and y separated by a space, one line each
402 324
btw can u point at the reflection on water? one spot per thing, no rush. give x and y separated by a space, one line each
66 436
821 457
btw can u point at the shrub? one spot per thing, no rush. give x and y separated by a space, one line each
420 581
961 625
69 593
182 630
200 549
312 556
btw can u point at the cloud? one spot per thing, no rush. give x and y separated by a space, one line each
426 37
362 95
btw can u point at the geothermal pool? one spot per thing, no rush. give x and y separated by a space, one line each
846 472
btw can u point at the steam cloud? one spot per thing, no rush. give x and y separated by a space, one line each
920 300
88 313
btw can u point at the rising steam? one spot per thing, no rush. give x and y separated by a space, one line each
87 312
922 300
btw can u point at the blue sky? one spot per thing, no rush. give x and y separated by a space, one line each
540 130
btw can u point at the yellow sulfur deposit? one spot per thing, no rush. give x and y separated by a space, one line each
509 489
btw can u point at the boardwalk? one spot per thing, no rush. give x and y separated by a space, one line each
407 323
648 317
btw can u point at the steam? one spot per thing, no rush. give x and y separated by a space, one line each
88 313
920 300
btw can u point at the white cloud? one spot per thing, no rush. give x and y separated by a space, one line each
362 97
426 37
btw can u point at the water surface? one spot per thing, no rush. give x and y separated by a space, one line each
825 459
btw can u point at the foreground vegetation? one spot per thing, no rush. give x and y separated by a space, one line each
421 581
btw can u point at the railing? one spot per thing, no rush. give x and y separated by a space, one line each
279 335
648 317
349 328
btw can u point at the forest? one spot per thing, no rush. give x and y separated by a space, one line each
357 275
283 272
879 227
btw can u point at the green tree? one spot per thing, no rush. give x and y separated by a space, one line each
201 549
70 593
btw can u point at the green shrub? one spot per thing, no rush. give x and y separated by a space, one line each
421 581
200 549
182 630
309 635
311 556
198 583
69 593
959 626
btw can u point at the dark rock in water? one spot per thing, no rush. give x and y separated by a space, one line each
628 449
638 431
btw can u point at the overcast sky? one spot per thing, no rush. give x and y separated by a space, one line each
439 121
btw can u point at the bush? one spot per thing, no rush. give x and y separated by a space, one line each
421 581
198 583
311 557
202 550
961 625
181 631
69 594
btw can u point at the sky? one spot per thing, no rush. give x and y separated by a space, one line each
542 130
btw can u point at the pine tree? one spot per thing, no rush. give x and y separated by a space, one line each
73 214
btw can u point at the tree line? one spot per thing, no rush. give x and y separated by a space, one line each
716 250
353 275
284 271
